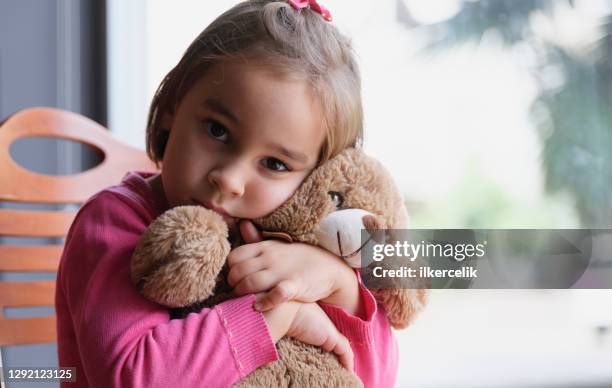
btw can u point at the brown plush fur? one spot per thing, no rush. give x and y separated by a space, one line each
179 257
180 260
365 184
361 180
301 365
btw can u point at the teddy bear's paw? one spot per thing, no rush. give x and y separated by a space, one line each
180 283
273 374
180 255
310 366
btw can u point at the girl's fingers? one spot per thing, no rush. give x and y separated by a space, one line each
259 296
284 291
242 253
255 282
345 353
341 347
249 232
242 269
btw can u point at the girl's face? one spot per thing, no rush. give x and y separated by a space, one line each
241 141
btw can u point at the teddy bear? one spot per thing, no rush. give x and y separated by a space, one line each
180 261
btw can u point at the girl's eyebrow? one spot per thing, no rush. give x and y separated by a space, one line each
218 107
300 157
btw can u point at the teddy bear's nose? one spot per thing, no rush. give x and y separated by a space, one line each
340 233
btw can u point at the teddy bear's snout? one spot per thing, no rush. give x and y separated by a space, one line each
340 233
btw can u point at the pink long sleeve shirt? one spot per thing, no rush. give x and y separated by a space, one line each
117 338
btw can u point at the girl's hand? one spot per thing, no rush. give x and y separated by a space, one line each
290 272
308 323
312 326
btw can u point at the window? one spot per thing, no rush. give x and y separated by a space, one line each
489 114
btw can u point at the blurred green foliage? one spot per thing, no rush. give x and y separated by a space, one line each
571 115
477 202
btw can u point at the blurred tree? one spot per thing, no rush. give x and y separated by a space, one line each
571 110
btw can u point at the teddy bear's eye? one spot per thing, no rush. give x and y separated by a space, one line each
336 198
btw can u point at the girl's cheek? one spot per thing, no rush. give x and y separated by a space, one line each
268 198
267 201
281 195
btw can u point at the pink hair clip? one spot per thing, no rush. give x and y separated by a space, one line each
314 5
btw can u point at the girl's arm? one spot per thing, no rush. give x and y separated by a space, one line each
302 272
117 338
370 335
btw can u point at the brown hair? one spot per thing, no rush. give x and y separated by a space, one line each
295 42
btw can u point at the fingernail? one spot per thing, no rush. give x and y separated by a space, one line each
257 306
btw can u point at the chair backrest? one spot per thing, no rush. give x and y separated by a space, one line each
18 184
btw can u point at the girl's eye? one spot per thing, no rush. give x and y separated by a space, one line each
217 130
275 164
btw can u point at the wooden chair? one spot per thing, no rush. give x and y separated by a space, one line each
20 185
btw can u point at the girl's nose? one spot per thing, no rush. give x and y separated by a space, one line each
228 180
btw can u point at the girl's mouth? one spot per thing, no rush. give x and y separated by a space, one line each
217 209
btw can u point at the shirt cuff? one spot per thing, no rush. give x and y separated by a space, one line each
357 330
248 334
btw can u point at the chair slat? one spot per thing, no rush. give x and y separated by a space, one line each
30 258
35 223
24 331
27 294
18 184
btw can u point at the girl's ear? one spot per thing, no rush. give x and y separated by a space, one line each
166 121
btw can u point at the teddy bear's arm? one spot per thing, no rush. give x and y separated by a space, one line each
402 298
179 257
401 305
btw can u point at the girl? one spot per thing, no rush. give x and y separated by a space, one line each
266 93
